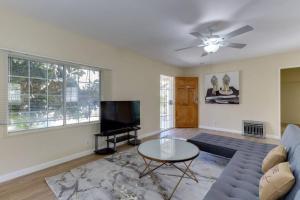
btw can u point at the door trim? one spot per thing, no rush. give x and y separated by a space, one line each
279 97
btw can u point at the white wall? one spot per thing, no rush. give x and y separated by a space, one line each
259 93
132 77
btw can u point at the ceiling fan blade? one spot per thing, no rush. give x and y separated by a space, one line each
204 54
181 49
239 31
190 47
196 34
234 45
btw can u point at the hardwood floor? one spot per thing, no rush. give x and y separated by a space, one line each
34 187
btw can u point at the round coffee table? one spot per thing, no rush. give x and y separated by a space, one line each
169 152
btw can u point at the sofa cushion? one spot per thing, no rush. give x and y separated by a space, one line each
240 178
294 193
276 182
291 139
209 147
274 157
227 146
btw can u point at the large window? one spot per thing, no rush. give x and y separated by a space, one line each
44 94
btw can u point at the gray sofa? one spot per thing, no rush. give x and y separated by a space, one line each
240 178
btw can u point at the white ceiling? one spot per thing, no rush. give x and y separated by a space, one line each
154 28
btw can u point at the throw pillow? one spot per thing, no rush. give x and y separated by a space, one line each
274 157
276 182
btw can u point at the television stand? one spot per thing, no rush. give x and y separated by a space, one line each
116 136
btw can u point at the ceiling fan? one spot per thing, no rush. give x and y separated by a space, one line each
211 43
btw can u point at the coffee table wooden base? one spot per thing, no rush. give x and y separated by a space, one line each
186 172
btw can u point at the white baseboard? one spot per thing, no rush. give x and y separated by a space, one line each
277 137
149 134
29 170
235 131
221 129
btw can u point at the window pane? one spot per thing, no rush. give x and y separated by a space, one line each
38 69
72 114
94 112
38 116
22 106
71 91
84 92
94 76
71 94
38 86
38 102
55 101
94 90
14 93
35 125
72 83
19 117
18 127
19 67
84 113
55 123
94 104
55 72
83 75
94 118
71 73
55 87
55 117
23 83
55 114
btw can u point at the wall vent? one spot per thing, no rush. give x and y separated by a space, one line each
254 128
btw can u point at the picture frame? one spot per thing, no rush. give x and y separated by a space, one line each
222 88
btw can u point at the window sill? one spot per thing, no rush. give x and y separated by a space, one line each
44 130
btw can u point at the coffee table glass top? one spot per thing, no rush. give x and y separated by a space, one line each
168 150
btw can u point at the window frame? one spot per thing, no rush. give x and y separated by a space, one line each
64 64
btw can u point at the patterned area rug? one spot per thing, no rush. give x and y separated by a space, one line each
117 177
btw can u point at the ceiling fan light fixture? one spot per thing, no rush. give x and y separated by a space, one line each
211 43
212 48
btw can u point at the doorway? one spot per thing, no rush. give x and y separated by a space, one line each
289 97
186 102
166 102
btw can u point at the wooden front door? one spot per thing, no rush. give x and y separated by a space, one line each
186 98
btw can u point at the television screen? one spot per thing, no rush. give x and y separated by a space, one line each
119 114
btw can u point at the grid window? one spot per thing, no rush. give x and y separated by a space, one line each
166 102
82 95
43 94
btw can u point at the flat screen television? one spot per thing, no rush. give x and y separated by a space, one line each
119 114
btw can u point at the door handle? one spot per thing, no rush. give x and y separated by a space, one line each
195 97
